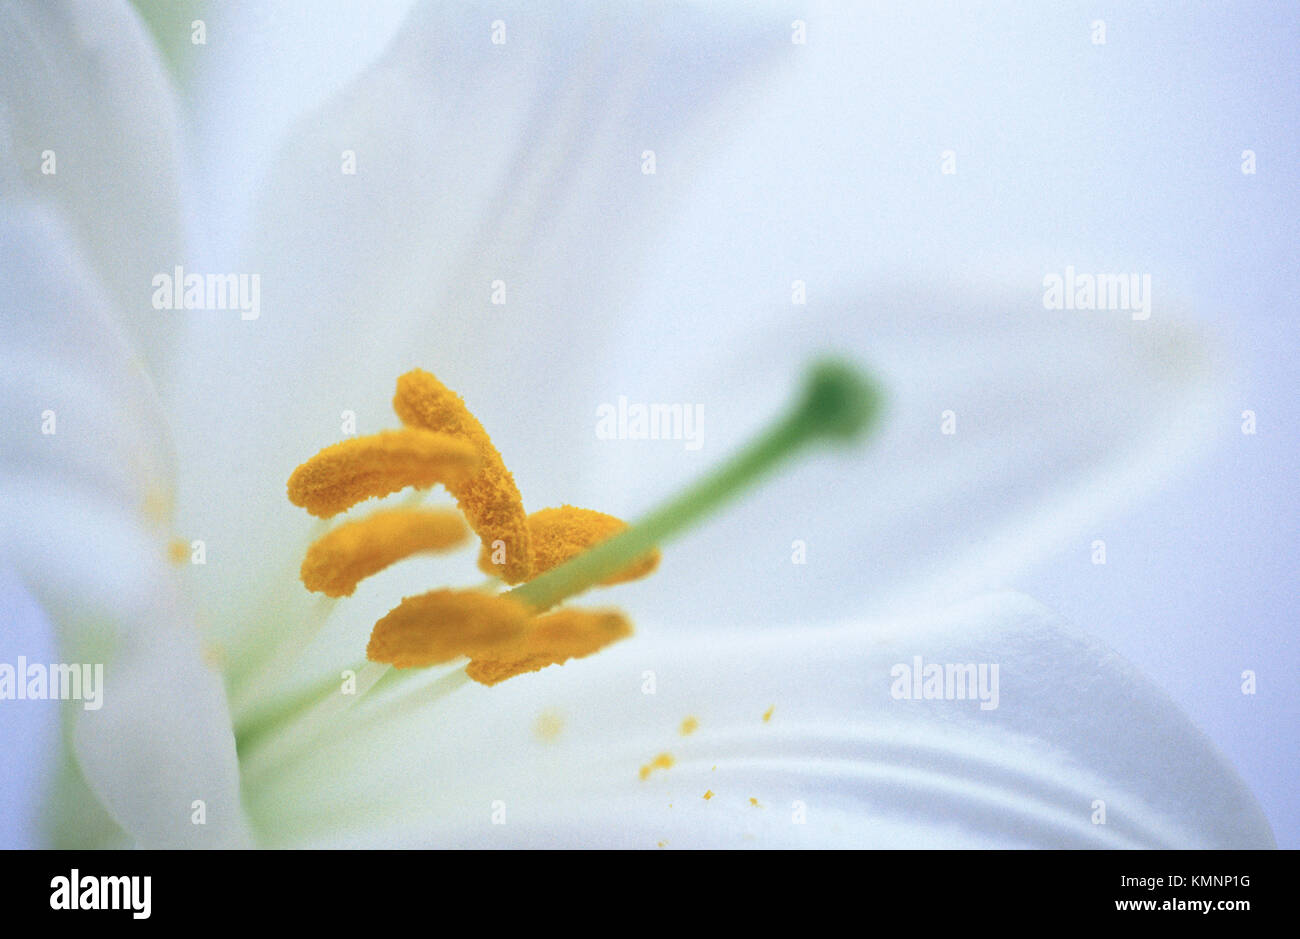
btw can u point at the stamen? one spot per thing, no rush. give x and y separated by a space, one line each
490 499
838 403
551 640
564 533
441 625
340 560
346 473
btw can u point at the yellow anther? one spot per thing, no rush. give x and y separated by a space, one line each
552 639
340 560
564 533
346 473
442 625
489 498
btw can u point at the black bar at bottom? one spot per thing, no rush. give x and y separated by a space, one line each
369 888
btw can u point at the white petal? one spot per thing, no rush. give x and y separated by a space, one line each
1074 726
162 739
474 162
73 524
85 411
1060 418
82 79
264 68
30 731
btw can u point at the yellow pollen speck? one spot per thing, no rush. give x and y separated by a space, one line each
689 726
442 625
708 795
767 715
157 503
754 802
213 655
337 562
553 639
549 725
489 498
663 844
559 535
662 761
346 473
178 552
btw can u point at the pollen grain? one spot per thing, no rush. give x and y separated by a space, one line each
662 761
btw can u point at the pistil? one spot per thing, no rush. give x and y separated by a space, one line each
838 404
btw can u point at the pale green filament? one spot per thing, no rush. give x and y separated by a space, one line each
838 403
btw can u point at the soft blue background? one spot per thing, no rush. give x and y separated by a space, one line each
1117 157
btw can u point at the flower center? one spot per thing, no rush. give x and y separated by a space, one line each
551 555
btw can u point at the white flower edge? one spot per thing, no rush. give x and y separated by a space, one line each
842 762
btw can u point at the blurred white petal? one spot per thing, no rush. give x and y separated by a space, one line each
1074 724
30 734
265 66
81 78
1061 418
80 521
69 369
162 738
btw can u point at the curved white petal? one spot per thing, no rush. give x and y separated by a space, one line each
476 161
1058 417
841 762
161 739
264 67
84 408
84 489
83 93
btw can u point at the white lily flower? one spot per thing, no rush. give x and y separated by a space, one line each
480 162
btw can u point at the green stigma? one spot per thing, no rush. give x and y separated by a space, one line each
838 404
